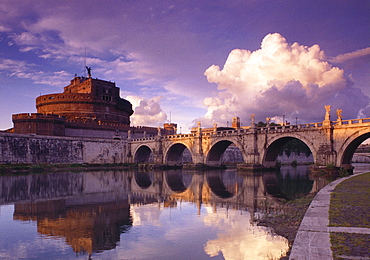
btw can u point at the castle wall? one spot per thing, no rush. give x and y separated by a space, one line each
39 124
17 148
84 106
94 133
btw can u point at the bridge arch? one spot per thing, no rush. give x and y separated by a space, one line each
143 154
175 154
222 186
349 146
143 180
177 182
273 146
218 148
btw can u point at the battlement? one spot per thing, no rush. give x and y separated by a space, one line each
38 116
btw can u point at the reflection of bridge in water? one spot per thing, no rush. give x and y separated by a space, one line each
330 142
91 209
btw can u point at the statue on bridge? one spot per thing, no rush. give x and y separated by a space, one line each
268 119
339 114
252 119
327 115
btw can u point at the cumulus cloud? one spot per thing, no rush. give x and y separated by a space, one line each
279 79
147 111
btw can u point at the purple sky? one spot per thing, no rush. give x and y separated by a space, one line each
290 57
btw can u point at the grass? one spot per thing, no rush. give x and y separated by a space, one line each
349 204
350 207
347 244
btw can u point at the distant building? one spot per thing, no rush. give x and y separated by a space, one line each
87 108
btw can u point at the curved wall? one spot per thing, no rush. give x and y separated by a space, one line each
82 106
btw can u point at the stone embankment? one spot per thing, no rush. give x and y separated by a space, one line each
16 148
361 158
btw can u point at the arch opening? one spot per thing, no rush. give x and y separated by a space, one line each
143 180
143 155
357 151
224 153
178 154
287 181
224 184
177 181
288 150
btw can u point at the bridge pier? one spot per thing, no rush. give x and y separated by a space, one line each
326 156
252 159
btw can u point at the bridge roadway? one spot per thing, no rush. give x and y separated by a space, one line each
331 142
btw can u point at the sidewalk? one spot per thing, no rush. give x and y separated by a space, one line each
312 241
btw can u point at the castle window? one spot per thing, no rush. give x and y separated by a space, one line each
106 98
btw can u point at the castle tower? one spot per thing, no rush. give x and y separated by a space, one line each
87 99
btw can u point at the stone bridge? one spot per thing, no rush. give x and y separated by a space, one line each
330 142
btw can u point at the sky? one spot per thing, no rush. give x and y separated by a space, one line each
188 61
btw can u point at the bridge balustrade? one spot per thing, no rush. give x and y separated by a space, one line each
269 129
354 121
143 139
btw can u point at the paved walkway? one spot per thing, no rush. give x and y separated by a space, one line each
312 241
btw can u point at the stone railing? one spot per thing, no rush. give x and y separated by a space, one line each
352 121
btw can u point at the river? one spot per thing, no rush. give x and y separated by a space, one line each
172 214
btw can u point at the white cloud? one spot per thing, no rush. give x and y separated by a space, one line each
147 111
4 29
279 79
352 55
21 69
26 38
239 239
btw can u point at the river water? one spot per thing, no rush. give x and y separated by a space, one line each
172 214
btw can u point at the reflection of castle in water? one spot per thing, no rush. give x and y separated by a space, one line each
90 210
86 227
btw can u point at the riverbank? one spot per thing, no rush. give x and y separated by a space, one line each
349 212
344 199
287 223
336 225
